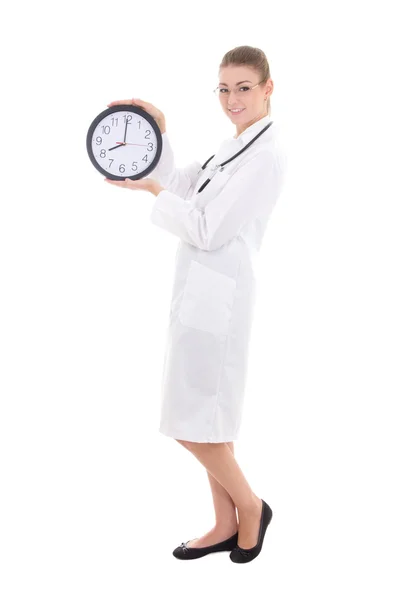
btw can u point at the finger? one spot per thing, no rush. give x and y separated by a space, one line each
116 102
142 102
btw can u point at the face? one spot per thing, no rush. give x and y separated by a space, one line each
241 79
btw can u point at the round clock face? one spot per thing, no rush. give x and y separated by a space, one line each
124 141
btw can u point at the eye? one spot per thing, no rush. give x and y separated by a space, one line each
224 90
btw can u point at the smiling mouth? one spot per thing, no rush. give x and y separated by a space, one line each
236 111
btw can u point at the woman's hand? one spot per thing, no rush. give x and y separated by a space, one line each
157 114
149 185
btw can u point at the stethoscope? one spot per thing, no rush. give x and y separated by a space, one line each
222 165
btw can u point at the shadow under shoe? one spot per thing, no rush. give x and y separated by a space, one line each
185 552
242 555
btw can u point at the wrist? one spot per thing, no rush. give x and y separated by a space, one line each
156 188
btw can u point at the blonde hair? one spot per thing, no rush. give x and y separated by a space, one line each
251 57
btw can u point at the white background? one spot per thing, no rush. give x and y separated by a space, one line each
93 498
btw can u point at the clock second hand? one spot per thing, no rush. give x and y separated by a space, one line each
125 144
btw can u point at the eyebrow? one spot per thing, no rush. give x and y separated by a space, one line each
246 80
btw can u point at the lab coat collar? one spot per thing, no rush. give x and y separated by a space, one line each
252 130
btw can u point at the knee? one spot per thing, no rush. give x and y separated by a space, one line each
188 445
182 442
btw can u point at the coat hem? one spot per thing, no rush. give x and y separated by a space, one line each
200 441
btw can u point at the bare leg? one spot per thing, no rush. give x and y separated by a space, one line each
220 462
225 512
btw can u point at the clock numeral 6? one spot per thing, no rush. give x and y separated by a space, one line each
123 168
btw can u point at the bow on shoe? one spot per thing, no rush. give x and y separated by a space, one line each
184 547
242 551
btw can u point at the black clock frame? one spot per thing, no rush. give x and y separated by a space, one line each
133 109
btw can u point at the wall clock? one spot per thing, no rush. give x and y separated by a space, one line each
124 141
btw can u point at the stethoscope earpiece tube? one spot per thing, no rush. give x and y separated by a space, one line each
221 166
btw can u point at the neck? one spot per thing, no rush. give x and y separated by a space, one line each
241 128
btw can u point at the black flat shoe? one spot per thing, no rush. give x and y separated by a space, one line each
185 552
242 555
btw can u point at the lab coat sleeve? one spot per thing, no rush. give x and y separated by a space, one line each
251 192
176 180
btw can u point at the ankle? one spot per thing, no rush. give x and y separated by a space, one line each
226 528
251 507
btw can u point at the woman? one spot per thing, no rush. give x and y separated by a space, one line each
220 229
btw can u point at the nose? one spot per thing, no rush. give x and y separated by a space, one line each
228 97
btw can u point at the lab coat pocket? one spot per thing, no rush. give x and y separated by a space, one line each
207 299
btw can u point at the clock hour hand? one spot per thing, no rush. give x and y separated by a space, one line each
118 146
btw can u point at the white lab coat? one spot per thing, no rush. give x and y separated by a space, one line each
220 232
